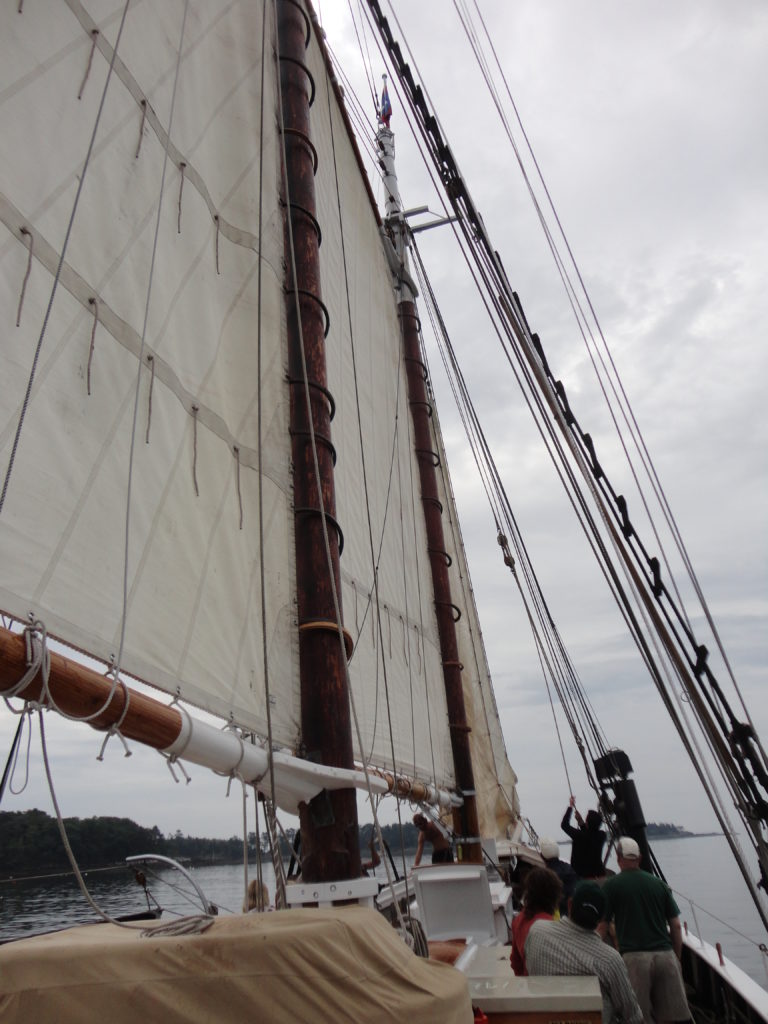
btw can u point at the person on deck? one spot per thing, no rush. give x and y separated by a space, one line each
541 896
373 861
588 841
258 897
571 947
550 851
429 832
650 937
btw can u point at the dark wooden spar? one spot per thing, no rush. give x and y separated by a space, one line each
329 832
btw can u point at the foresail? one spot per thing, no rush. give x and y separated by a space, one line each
396 672
194 618
498 807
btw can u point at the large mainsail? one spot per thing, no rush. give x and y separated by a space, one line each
188 108
192 622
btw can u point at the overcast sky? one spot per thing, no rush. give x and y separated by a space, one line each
649 122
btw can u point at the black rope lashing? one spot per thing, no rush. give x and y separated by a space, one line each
626 526
151 361
701 660
195 410
182 166
141 128
95 303
216 242
597 469
25 231
570 419
540 353
657 586
94 35
237 480
503 543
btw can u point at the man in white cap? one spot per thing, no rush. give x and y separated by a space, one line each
649 935
550 851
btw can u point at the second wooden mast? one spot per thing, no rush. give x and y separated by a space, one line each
465 818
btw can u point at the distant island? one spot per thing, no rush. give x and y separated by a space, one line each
666 830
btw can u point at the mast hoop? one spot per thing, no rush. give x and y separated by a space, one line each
302 137
316 299
413 359
403 315
319 438
443 554
427 406
300 64
328 518
429 499
318 387
311 218
327 626
456 616
429 454
303 13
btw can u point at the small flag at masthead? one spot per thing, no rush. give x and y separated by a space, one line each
386 106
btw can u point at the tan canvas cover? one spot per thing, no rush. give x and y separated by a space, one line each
344 965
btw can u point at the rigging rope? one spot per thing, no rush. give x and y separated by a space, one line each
738 748
260 428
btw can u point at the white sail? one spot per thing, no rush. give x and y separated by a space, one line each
193 614
396 670
193 625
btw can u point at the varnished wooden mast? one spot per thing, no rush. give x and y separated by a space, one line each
329 829
465 818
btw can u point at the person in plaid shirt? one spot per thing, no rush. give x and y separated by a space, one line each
572 947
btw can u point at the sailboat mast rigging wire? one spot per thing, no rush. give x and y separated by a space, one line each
736 745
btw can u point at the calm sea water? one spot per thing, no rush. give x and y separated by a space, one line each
710 892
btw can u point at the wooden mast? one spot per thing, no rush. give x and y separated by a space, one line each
465 818
329 829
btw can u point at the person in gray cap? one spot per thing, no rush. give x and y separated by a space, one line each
550 851
649 935
571 946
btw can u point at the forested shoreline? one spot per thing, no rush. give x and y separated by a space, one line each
30 843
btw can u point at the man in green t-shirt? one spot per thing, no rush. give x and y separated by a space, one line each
649 936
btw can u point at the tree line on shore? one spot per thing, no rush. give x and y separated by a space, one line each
31 843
